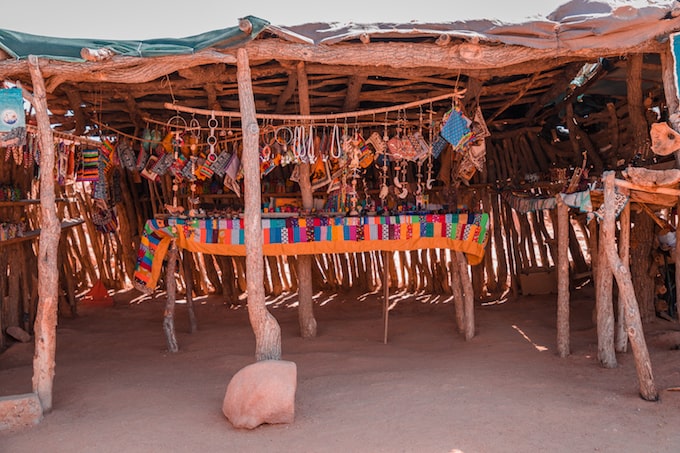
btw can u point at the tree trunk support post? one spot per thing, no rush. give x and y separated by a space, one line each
266 328
562 278
604 305
621 272
48 272
304 262
171 289
468 297
621 339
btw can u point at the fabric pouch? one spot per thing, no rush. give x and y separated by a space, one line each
456 129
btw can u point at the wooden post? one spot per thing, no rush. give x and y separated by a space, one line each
604 306
468 297
623 279
621 339
562 278
171 288
304 262
386 293
639 129
48 272
497 229
266 328
189 289
456 289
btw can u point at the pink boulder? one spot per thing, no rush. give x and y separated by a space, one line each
263 392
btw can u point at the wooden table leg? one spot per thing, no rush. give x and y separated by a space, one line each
386 293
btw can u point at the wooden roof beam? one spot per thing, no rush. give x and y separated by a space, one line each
117 70
135 115
499 60
353 96
287 92
211 94
514 99
76 102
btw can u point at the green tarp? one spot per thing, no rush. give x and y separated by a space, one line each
21 45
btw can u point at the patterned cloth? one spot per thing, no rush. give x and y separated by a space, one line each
524 204
620 202
580 200
310 235
528 204
456 129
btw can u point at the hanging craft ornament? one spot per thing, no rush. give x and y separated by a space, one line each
456 129
88 168
478 126
204 170
283 138
430 181
311 152
384 188
335 148
12 118
231 174
267 164
126 154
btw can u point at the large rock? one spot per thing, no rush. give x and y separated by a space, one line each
263 392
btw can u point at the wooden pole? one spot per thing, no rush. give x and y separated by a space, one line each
623 279
171 288
386 293
562 278
308 117
468 297
639 129
457 290
304 262
266 328
48 272
189 289
621 339
604 306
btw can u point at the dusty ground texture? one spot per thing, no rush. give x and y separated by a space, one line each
427 390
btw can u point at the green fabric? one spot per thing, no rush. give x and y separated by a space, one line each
21 45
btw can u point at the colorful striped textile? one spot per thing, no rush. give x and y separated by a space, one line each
311 235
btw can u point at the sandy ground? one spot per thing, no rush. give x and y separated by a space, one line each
427 390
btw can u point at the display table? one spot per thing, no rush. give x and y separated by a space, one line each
310 235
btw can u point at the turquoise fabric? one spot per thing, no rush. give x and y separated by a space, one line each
21 45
